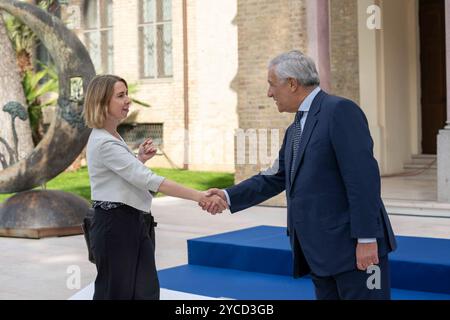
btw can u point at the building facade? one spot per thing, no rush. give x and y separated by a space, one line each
389 56
182 57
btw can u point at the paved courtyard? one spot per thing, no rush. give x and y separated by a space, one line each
42 269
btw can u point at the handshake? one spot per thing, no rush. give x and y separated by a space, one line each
214 201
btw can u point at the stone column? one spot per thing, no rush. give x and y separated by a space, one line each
443 139
318 25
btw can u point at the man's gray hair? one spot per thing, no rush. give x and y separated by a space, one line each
294 64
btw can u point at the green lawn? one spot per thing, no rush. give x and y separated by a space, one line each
78 182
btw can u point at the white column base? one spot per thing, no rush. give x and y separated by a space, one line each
443 165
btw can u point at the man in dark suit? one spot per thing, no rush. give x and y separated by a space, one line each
336 220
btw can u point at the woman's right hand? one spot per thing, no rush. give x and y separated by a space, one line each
214 202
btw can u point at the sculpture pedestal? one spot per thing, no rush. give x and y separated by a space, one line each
42 213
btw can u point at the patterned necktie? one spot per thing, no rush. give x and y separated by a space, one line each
296 140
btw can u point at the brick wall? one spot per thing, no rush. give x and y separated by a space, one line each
344 48
266 28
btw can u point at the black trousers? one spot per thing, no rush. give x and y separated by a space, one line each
352 285
124 255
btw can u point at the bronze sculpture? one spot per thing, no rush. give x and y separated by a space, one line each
67 134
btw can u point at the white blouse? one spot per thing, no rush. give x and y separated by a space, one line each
116 175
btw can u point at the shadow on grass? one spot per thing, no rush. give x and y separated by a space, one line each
82 191
219 182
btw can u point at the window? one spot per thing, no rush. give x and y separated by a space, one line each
98 36
155 38
135 133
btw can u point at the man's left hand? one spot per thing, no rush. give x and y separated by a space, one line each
366 255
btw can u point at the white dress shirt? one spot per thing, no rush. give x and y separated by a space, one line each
116 175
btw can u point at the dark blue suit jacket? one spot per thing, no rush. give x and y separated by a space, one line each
334 197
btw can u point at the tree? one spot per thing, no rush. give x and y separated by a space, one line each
15 132
23 39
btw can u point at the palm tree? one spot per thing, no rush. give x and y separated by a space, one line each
11 90
23 38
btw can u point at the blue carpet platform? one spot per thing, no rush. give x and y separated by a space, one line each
256 263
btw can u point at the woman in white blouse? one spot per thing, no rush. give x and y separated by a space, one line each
121 190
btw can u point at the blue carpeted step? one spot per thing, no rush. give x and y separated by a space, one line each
227 283
241 285
260 249
421 264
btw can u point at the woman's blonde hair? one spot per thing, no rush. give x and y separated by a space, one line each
98 95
